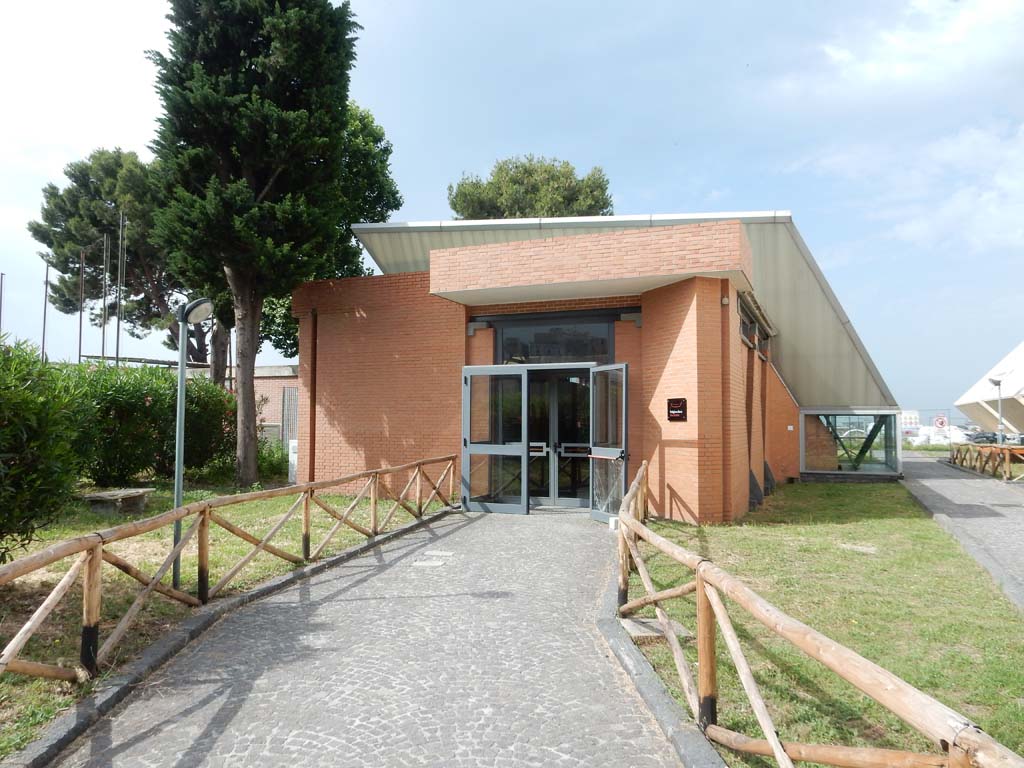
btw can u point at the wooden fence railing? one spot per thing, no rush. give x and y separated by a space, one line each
995 460
89 554
962 742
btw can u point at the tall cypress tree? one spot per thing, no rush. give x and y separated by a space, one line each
252 138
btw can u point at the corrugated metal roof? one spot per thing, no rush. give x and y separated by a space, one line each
817 350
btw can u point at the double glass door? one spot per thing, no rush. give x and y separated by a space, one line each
544 435
559 433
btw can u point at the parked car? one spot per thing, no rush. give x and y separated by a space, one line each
984 437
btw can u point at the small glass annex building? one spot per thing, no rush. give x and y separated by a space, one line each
554 355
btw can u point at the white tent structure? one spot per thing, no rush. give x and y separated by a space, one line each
980 403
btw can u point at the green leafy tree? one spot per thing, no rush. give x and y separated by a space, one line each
531 186
107 184
253 141
370 194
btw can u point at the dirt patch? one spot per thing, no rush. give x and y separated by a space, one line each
139 549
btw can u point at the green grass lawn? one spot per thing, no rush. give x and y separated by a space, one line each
27 703
863 565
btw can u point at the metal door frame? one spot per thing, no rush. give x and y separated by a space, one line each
554 447
495 449
522 449
609 454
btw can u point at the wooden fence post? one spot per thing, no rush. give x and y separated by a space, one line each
451 484
419 490
634 512
643 501
623 566
203 574
305 525
373 504
707 679
91 592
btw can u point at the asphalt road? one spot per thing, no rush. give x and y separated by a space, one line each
985 515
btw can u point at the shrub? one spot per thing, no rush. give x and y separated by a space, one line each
40 414
210 428
134 417
130 407
272 460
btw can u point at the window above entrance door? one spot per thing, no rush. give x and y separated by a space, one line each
560 337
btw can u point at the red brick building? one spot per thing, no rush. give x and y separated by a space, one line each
554 355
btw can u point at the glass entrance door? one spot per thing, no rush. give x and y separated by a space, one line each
559 436
494 454
572 438
607 440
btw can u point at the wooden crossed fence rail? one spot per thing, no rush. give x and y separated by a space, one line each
995 460
964 744
89 554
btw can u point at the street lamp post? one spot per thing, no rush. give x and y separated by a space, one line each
189 314
998 384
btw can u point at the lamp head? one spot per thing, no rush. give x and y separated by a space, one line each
195 311
995 382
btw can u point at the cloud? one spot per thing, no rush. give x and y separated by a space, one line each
963 190
930 46
960 194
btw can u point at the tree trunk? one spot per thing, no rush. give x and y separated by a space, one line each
199 339
219 338
195 352
248 306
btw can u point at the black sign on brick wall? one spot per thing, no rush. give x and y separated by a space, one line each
677 409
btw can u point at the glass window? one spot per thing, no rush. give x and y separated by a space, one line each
850 443
553 341
495 479
495 409
608 415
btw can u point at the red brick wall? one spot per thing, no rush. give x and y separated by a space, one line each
684 249
480 347
820 450
669 355
272 388
388 373
699 469
733 437
389 390
782 444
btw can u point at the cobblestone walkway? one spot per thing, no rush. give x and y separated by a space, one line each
984 514
470 642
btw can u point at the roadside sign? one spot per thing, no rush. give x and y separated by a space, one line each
940 422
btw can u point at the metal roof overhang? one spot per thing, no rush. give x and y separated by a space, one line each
406 247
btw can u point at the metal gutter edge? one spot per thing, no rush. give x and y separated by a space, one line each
569 222
689 742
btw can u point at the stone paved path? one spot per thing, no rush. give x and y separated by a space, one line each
468 643
984 514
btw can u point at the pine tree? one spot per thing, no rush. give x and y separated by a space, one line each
252 139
